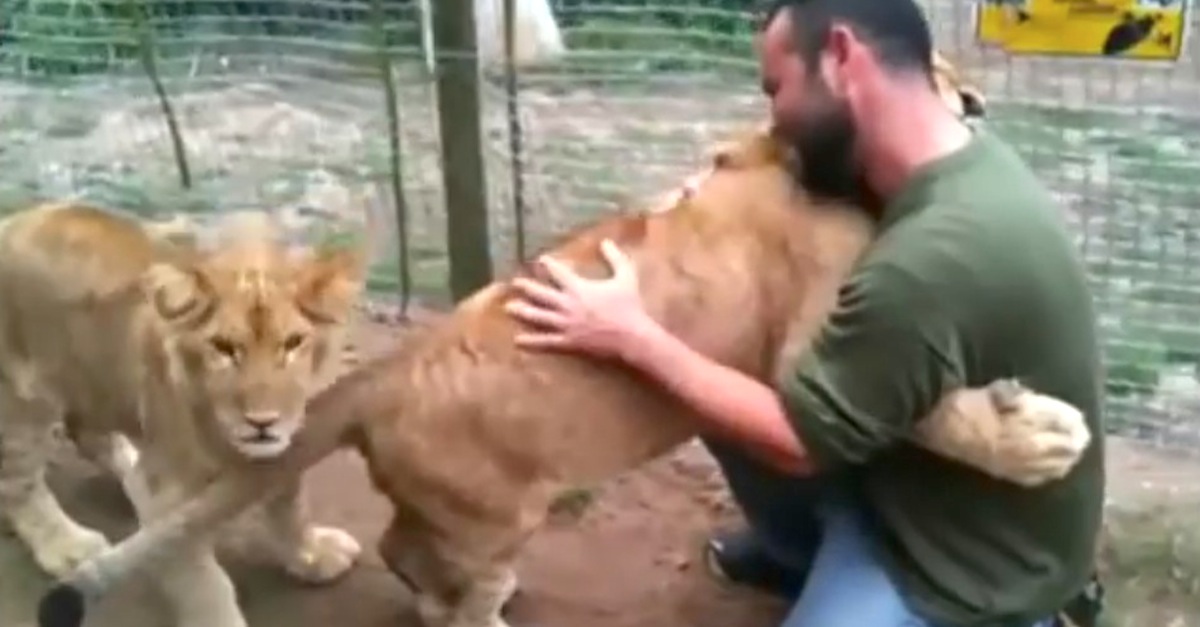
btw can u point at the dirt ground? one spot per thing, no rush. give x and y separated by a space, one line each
624 556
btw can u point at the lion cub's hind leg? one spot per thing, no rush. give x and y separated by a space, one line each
447 591
484 600
57 542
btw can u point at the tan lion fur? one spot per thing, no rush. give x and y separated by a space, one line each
963 98
471 438
158 358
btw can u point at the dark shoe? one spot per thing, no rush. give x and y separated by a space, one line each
739 557
1083 610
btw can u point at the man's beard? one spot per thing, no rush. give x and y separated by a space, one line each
824 141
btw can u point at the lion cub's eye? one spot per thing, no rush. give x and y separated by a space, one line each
292 342
225 347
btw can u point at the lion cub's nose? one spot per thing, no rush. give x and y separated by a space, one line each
261 419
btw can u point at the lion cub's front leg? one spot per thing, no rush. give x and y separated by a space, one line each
310 553
57 542
1007 431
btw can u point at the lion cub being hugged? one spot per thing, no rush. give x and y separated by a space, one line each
168 362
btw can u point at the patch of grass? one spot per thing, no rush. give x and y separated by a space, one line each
1150 563
145 194
63 37
1135 175
607 43
16 195
573 503
430 274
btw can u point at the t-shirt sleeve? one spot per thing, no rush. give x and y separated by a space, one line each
882 361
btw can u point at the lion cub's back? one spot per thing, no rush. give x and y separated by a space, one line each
68 275
72 251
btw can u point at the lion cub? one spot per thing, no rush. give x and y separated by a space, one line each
167 362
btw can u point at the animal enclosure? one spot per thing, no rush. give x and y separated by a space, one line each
325 110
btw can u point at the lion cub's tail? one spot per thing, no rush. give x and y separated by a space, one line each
65 604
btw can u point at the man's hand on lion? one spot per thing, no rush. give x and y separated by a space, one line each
1009 432
603 317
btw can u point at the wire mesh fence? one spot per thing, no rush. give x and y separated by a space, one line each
283 104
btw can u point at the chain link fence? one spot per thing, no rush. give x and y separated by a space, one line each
283 104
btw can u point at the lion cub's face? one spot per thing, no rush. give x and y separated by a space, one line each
249 330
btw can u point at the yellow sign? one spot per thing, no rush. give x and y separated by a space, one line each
1127 29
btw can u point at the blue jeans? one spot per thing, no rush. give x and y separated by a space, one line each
847 585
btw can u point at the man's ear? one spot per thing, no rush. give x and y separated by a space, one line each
179 293
329 284
839 54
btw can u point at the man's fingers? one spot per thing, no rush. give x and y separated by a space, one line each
537 316
541 340
562 275
540 293
621 264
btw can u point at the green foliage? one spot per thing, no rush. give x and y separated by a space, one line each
1133 369
428 266
1134 178
645 38
573 503
65 37
151 194
1150 556
52 38
17 195
55 38
332 236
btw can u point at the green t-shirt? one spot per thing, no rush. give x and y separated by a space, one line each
974 277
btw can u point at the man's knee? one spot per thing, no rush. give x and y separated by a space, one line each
848 586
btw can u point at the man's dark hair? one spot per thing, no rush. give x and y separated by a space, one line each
895 29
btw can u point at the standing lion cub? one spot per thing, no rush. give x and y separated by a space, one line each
168 362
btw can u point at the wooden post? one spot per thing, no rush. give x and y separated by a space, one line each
462 146
512 91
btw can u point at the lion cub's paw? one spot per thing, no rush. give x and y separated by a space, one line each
1008 431
326 554
63 550
1041 438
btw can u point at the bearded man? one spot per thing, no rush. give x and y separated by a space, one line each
974 277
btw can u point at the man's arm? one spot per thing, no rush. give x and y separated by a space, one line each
883 360
735 406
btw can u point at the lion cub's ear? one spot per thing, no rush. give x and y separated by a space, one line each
178 293
329 283
758 148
